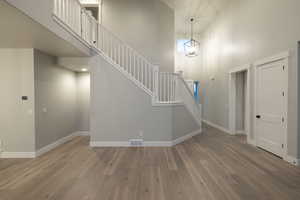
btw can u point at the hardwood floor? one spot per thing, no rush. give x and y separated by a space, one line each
211 166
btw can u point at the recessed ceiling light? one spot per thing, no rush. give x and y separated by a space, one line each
84 69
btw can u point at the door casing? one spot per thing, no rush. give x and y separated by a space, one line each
280 57
232 100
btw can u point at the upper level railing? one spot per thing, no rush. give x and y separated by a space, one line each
164 87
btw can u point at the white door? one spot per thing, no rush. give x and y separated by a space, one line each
271 107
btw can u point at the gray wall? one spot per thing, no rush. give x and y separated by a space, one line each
120 110
245 32
183 122
56 110
146 25
17 116
83 101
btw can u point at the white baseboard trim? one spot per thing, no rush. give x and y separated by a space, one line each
18 155
146 143
83 133
216 126
127 144
241 132
44 149
56 144
158 144
109 144
292 160
186 137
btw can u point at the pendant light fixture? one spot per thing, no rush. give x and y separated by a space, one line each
192 47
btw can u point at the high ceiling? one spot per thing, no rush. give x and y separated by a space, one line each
204 12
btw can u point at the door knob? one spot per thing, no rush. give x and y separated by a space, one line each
258 116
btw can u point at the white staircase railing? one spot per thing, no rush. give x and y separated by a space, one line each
167 87
69 12
128 59
164 87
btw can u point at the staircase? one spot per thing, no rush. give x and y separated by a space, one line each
163 87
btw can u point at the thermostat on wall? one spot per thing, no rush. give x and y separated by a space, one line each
24 98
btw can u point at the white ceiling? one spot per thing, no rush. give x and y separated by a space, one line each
204 12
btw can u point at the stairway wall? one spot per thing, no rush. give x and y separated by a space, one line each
146 25
120 110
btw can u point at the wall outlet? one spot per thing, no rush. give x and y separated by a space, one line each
136 142
141 134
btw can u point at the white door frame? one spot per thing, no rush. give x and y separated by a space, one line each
232 100
284 56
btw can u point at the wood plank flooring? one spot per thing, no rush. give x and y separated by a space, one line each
211 166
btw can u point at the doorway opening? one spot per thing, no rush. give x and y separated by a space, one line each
239 101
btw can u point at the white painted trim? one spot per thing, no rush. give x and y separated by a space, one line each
158 144
70 30
83 133
18 155
186 137
56 144
240 68
292 160
232 103
282 56
158 104
109 144
216 126
146 143
232 99
274 58
240 132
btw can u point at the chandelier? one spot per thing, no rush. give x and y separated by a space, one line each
192 47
